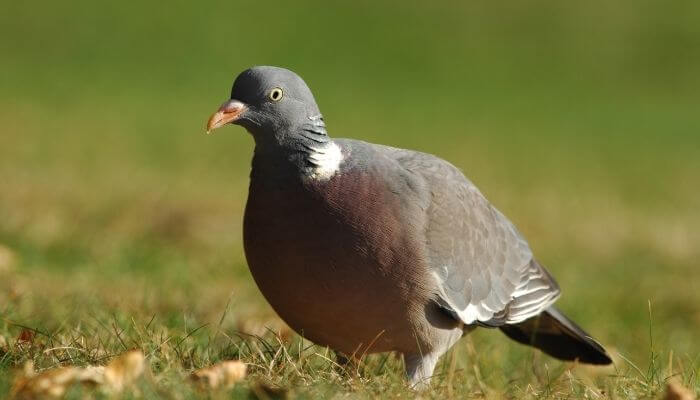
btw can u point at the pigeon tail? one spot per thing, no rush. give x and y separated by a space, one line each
555 334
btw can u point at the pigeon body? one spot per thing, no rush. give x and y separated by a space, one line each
367 248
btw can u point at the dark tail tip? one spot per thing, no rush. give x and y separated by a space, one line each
558 336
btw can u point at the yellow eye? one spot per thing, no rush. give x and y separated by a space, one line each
276 94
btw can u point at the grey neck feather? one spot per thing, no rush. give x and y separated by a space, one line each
290 154
315 130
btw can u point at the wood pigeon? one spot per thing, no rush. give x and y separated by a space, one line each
367 248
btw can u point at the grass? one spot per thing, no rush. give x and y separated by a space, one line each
120 222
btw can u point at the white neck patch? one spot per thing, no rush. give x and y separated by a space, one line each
326 160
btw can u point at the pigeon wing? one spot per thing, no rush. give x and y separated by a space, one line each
483 267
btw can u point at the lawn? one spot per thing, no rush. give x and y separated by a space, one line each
120 221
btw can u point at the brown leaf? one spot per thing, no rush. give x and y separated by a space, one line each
28 369
50 384
54 383
26 336
224 374
676 391
261 326
124 370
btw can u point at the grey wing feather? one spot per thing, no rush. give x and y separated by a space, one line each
483 267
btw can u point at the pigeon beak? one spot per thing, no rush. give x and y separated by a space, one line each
230 111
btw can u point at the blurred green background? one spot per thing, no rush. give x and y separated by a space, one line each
580 121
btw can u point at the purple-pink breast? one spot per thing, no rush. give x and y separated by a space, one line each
341 260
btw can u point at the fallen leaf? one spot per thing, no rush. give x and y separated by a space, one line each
54 383
27 335
224 374
262 326
93 374
28 369
676 391
124 370
50 384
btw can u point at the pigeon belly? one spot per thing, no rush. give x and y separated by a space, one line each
335 263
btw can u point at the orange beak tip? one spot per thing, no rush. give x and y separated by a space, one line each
229 112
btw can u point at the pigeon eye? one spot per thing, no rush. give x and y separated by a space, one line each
276 94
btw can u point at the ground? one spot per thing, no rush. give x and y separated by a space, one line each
120 221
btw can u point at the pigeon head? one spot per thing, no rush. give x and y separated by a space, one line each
273 104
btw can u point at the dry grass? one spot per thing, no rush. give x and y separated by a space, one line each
88 274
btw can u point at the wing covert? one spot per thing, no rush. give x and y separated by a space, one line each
484 269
